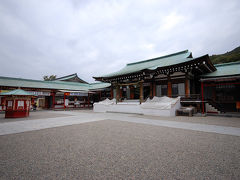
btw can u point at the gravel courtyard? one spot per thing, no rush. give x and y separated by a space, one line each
115 149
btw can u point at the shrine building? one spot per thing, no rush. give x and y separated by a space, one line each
179 74
64 92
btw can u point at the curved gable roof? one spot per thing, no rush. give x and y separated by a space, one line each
151 64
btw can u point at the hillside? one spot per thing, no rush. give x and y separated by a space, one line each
231 56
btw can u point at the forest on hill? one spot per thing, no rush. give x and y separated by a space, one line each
231 56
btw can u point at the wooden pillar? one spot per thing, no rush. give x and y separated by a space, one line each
53 100
32 101
84 103
187 90
154 89
14 104
64 98
202 85
131 92
117 93
151 90
214 93
169 87
111 91
121 93
100 95
141 92
88 101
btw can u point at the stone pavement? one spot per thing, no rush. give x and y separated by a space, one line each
78 117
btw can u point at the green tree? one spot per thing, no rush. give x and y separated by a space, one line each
49 78
231 56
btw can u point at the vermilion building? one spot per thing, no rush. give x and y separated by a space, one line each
196 80
65 92
211 88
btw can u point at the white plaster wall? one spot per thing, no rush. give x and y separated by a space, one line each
133 107
126 108
100 107
162 112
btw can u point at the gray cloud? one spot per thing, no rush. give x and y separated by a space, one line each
94 38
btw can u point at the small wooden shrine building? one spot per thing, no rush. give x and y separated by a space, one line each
18 103
172 75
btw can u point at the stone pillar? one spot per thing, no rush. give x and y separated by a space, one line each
169 87
141 92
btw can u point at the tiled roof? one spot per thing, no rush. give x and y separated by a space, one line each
226 69
18 92
57 85
151 64
69 77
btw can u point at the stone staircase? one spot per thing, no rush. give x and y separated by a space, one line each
211 109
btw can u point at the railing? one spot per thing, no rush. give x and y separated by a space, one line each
191 97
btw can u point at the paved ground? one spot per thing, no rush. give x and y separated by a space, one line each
211 120
78 117
119 148
45 114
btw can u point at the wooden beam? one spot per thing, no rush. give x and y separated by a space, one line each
129 84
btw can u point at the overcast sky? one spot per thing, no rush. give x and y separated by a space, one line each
96 37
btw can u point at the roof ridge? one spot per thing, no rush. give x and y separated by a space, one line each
21 79
42 81
161 57
66 76
225 64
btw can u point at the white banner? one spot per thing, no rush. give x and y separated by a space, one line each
40 93
78 94
10 103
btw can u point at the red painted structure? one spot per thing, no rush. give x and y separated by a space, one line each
17 103
16 110
202 97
